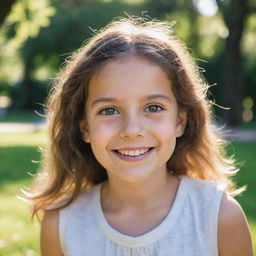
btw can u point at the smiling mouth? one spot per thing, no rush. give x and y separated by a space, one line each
133 153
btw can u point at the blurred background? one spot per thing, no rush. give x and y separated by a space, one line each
36 36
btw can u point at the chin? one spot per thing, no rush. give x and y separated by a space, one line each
133 175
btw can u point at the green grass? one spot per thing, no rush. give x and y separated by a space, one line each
19 236
245 154
18 151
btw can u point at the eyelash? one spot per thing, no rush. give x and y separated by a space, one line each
103 111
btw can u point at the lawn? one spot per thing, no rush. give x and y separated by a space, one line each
19 236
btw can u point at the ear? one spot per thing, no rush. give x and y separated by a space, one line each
181 122
84 131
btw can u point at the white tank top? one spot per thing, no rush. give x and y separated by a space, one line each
189 229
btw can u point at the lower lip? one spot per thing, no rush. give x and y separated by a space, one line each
133 158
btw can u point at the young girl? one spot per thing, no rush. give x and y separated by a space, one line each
135 166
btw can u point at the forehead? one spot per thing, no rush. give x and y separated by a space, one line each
129 76
129 62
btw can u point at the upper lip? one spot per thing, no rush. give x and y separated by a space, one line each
132 148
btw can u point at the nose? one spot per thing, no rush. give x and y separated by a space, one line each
132 126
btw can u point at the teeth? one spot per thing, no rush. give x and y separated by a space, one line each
133 152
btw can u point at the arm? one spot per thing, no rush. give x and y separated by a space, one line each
50 243
234 238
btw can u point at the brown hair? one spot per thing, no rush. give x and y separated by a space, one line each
69 164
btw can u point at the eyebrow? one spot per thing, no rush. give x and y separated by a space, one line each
112 99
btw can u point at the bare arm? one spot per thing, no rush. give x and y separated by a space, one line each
234 238
50 243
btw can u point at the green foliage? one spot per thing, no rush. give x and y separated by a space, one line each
27 18
70 28
67 31
38 36
38 92
4 89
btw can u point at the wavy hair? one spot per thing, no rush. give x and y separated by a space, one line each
69 165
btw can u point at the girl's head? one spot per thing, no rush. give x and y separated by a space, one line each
71 164
132 118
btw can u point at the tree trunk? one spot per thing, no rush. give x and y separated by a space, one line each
24 97
233 81
193 30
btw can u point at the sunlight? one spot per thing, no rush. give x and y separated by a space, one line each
206 7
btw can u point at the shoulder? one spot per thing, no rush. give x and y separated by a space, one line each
204 189
203 184
50 243
234 236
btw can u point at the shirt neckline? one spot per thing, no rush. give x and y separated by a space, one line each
152 235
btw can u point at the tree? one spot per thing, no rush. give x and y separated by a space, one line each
234 15
68 28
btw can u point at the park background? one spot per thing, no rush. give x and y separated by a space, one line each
36 36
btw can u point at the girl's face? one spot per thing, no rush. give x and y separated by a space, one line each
132 119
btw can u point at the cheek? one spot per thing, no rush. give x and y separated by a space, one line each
165 131
102 137
167 134
164 125
101 132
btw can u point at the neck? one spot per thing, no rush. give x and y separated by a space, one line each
118 194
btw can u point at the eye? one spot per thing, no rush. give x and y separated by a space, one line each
109 111
153 108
